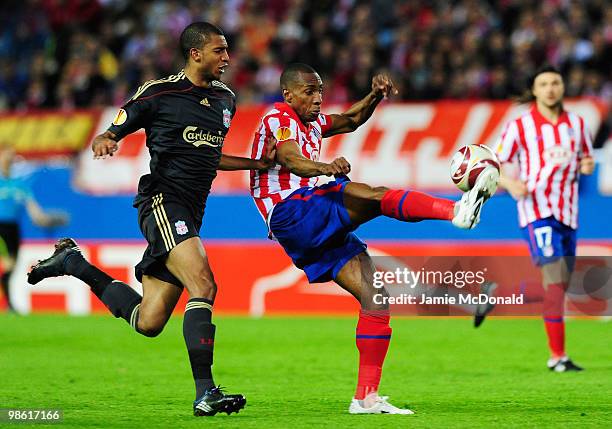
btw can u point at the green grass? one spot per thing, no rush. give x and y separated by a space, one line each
300 372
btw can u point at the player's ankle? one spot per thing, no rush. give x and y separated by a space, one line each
370 399
367 396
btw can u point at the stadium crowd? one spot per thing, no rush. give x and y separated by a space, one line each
78 53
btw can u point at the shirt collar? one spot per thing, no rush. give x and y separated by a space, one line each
285 108
562 116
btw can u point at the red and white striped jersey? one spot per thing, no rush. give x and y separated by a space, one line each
549 163
270 186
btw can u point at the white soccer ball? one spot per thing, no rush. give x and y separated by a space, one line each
468 162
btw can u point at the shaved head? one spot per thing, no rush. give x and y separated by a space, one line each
292 74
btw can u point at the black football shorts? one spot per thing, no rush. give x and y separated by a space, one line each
165 222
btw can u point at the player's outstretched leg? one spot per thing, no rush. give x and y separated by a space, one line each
188 262
364 203
119 298
468 210
373 336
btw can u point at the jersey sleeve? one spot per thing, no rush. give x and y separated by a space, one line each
233 107
283 129
134 115
508 143
325 121
586 144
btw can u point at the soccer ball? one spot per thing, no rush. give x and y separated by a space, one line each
468 162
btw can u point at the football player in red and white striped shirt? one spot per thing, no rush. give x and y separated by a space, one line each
552 147
315 224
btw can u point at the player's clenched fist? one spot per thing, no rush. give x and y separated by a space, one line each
104 145
338 166
268 158
383 85
587 165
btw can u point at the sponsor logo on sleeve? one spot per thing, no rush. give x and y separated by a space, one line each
120 118
283 133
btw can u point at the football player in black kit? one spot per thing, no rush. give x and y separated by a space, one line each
186 118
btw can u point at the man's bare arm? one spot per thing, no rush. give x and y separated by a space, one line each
289 156
360 112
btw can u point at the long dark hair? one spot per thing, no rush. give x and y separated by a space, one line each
527 95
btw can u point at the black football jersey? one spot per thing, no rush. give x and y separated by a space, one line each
185 127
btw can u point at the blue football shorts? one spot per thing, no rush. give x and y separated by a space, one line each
315 230
549 240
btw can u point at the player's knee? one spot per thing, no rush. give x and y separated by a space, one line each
378 192
151 326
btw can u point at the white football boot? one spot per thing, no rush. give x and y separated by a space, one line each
381 406
467 210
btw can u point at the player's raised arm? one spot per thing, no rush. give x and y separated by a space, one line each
358 113
289 156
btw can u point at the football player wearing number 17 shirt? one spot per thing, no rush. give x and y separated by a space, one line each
186 118
553 148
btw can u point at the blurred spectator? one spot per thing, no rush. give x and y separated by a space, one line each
77 53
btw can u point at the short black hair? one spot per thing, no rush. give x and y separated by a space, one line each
290 74
546 68
196 35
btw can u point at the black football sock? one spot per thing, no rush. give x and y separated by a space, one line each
119 298
199 335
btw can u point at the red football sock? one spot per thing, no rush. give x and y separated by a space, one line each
373 337
412 206
553 310
555 330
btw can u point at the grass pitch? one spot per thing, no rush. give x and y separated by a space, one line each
300 372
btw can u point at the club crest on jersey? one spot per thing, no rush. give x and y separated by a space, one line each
227 118
181 228
120 118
